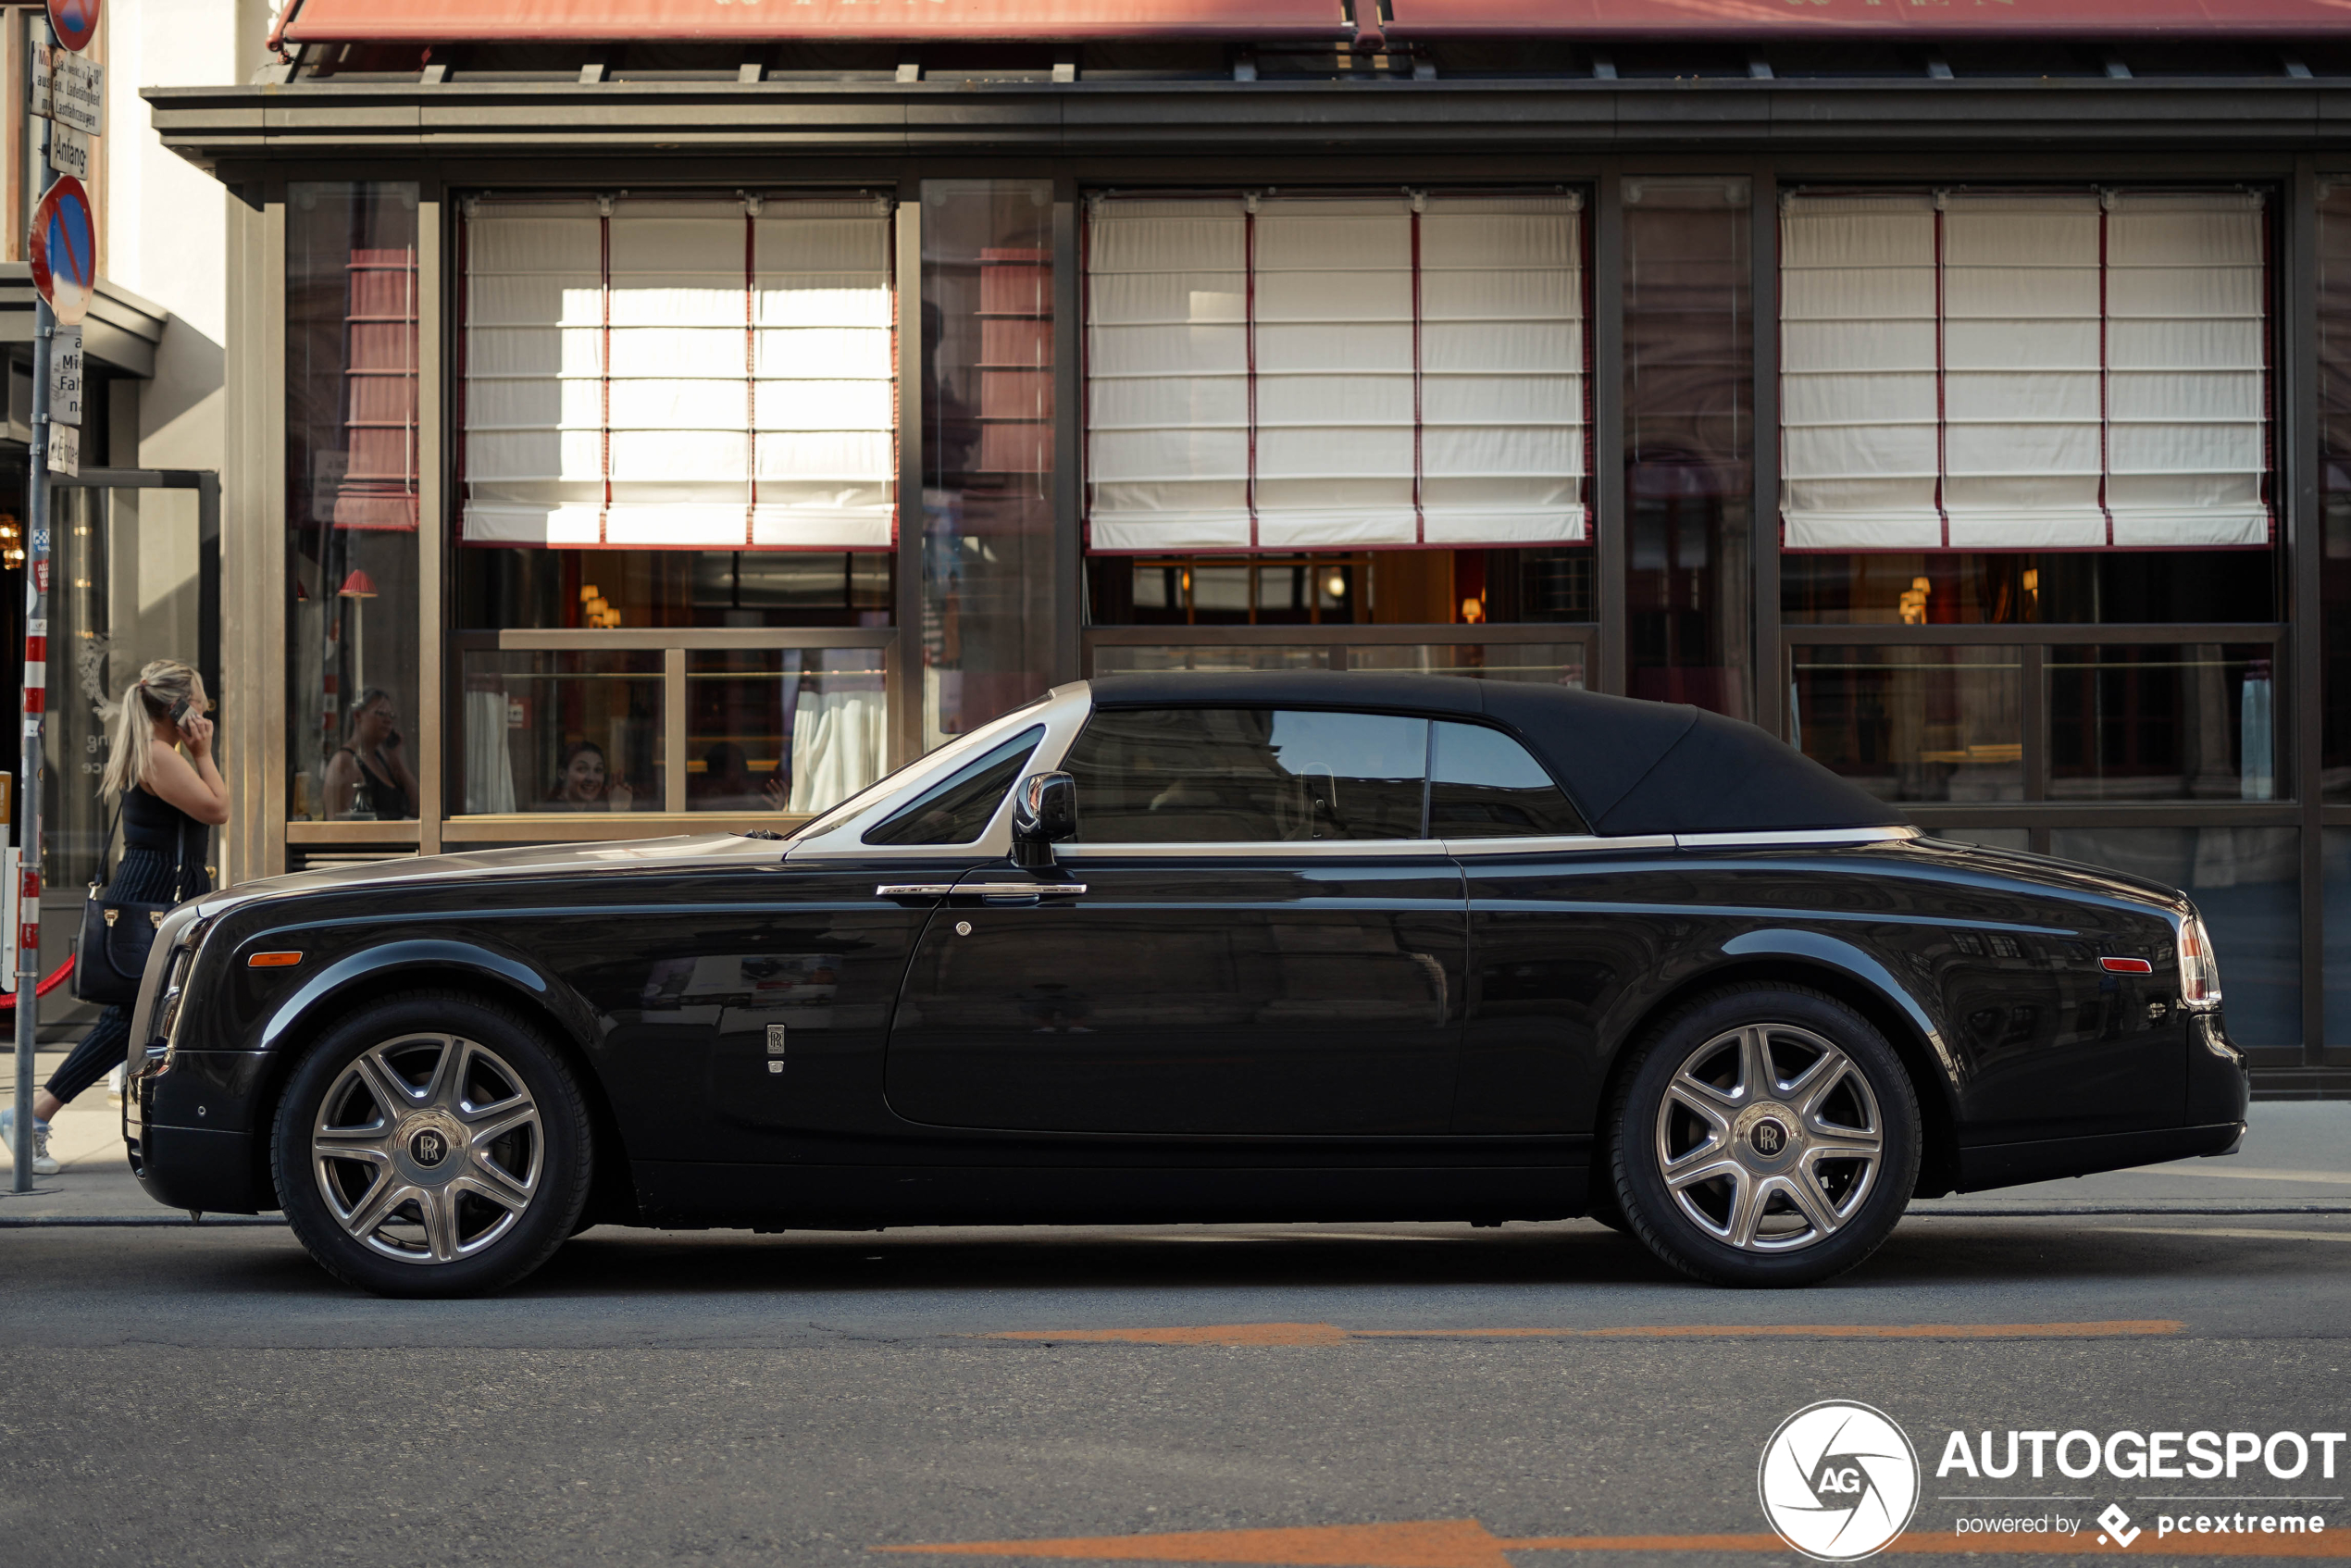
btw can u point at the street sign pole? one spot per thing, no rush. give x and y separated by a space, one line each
36 680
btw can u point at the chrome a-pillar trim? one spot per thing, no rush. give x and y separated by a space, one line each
1064 713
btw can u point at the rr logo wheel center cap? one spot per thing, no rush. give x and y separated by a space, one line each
428 1148
1767 1136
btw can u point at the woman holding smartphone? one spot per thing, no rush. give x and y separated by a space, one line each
368 776
169 804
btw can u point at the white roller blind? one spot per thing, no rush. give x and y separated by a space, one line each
1272 373
2045 370
661 373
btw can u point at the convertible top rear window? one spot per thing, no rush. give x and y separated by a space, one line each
957 810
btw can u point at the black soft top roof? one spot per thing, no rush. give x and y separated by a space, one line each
1630 766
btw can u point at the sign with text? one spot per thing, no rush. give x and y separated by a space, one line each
65 449
74 22
69 150
77 93
65 376
43 80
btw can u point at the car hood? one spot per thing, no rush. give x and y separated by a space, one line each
534 860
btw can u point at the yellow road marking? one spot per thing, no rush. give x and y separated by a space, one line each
1332 1334
1466 1543
2247 1233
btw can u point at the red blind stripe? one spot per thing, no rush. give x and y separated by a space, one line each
751 371
533 22
1248 336
1941 428
1420 518
604 368
2106 384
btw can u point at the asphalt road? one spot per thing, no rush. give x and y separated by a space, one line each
1389 1397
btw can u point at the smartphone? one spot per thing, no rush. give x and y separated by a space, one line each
180 711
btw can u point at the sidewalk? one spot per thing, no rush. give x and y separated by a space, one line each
2297 1159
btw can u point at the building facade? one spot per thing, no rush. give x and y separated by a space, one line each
635 434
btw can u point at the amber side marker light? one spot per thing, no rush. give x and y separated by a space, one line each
273 960
2119 966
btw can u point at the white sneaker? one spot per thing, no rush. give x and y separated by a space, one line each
43 1162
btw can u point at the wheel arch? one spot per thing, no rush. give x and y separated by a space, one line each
1854 977
372 975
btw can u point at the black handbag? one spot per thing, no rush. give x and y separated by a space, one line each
118 934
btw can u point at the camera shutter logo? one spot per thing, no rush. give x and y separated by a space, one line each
1838 1481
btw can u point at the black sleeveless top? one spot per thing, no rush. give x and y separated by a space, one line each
150 822
380 792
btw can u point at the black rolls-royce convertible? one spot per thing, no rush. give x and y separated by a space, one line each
1195 947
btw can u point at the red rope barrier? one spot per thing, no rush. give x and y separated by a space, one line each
8 999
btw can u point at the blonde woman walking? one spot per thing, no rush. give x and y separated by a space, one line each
170 804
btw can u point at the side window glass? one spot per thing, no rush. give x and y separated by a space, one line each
1226 775
956 810
1483 785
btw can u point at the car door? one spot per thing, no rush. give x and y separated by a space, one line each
1252 934
1548 949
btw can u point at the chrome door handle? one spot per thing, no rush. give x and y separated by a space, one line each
913 889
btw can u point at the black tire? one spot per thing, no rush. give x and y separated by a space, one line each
1601 1204
489 1156
1819 1201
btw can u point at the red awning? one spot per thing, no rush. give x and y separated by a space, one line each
771 22
1817 18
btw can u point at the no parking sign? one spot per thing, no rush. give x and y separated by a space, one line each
75 22
64 250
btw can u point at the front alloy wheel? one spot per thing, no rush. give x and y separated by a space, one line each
433 1144
1766 1135
427 1148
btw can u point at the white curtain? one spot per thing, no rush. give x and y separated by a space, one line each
838 741
490 767
1286 373
1976 371
661 373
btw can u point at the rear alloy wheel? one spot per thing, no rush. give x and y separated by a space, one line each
1768 1135
431 1146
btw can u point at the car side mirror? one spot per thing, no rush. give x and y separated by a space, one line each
1044 813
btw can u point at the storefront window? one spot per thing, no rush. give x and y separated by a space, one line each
2026 407
987 449
350 500
1337 408
2246 883
2334 482
2336 842
1914 723
2196 722
564 731
783 729
1689 431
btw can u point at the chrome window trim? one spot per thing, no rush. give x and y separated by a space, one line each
1576 844
1260 848
1795 838
1063 714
